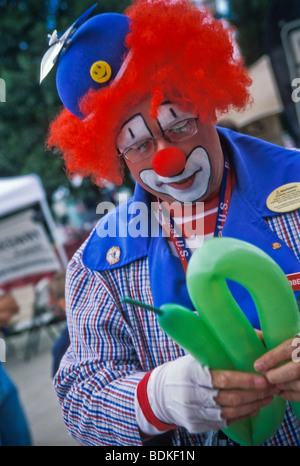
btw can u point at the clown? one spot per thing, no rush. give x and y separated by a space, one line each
144 90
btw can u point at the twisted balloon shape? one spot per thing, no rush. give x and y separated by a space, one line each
219 335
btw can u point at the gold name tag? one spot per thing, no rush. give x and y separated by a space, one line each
286 198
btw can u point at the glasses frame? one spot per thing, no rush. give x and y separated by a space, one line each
163 136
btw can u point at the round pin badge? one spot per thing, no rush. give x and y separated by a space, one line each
100 71
286 198
276 246
113 255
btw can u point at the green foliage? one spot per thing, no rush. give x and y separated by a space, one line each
249 18
29 106
24 118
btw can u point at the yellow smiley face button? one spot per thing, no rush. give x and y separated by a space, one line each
100 71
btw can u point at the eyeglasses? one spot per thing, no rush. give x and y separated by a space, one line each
180 131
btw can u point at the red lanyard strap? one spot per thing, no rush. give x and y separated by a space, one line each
179 242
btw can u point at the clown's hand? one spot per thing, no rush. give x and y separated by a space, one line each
180 393
281 367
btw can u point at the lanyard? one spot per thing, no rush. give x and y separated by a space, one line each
224 201
183 251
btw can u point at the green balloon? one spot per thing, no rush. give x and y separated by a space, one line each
219 335
221 259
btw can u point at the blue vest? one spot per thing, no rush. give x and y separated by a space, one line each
260 168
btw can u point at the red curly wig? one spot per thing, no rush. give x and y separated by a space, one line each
178 52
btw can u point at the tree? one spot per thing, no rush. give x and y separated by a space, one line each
24 117
248 16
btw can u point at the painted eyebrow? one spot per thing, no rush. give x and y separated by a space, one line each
127 122
131 118
172 111
131 133
167 102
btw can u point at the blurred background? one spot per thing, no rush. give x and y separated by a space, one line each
44 216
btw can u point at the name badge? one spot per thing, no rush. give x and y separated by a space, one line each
286 198
294 279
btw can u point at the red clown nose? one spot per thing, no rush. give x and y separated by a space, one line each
169 162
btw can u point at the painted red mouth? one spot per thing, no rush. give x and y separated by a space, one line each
182 184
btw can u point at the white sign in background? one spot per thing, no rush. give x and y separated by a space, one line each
2 350
25 248
290 36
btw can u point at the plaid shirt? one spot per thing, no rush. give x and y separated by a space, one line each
114 344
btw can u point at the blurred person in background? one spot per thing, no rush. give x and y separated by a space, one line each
14 430
57 292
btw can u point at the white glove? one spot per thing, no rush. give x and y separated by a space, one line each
180 392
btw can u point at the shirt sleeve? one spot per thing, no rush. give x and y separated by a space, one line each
149 424
98 376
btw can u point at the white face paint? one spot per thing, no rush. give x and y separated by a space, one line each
136 128
169 114
132 131
202 174
189 185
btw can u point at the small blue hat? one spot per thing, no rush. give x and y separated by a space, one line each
91 58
